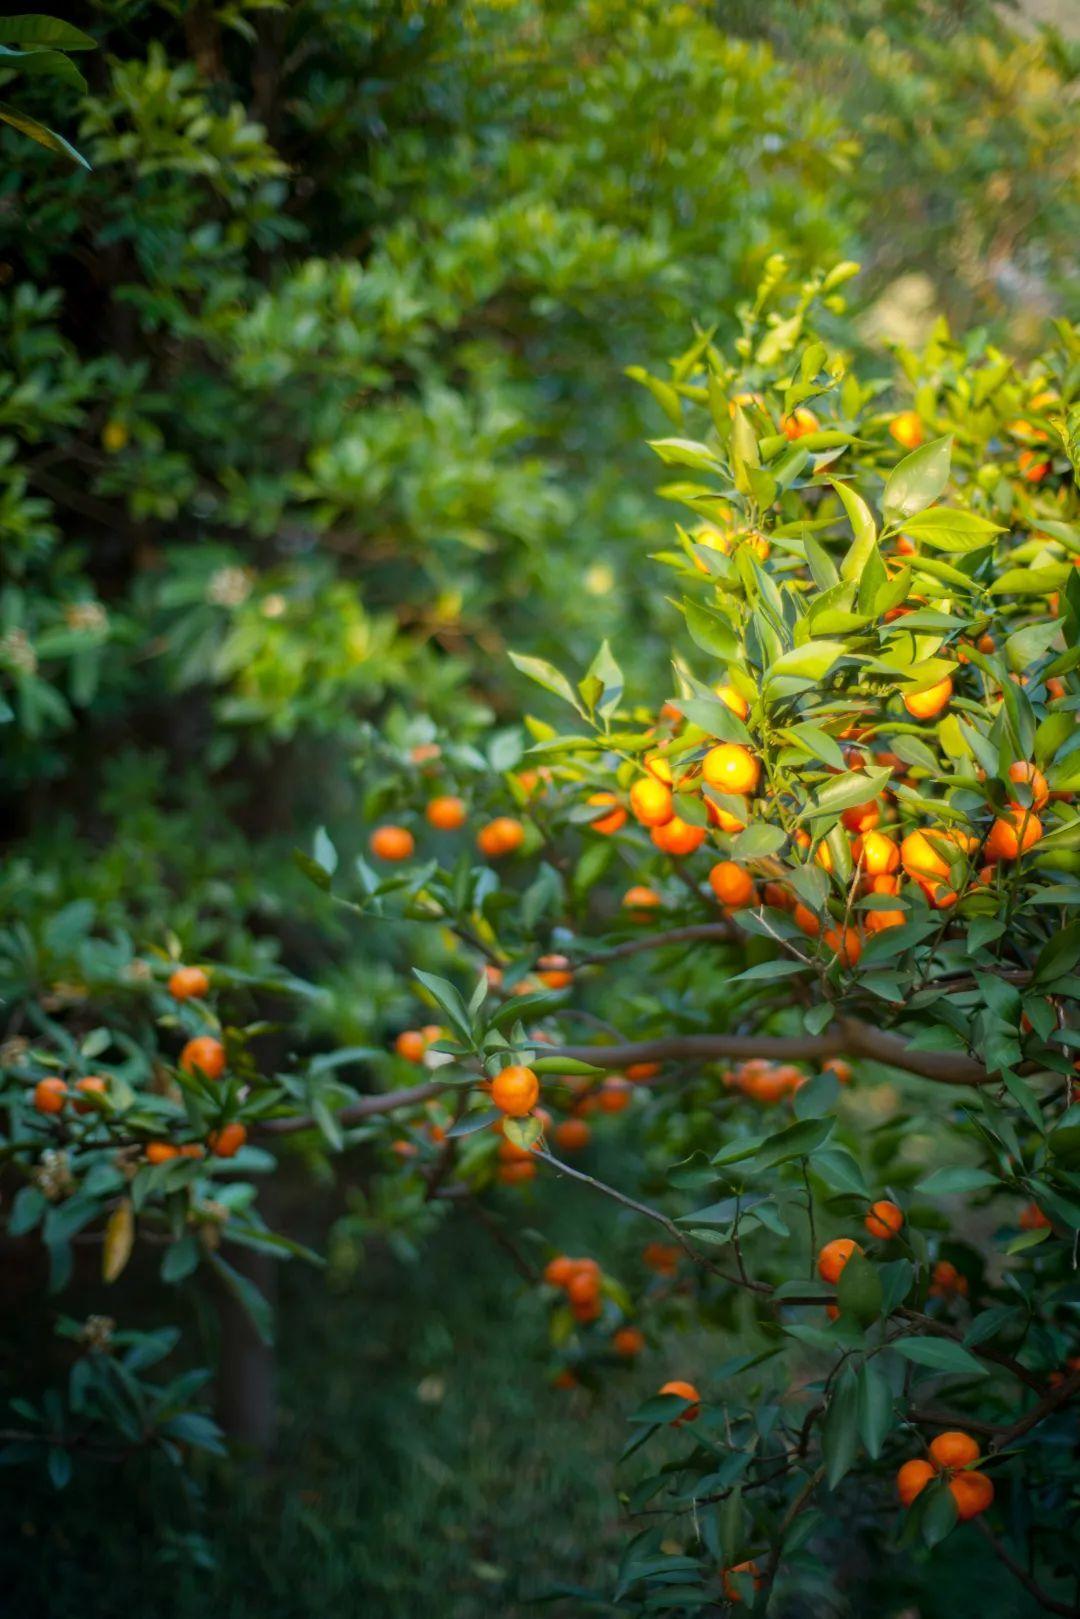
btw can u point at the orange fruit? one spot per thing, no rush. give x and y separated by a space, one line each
806 921
724 819
411 1045
651 801
559 1270
973 1493
392 843
862 817
203 1055
554 971
884 1219
192 1149
846 946
954 1449
1035 780
614 1094
731 1590
731 768
925 705
731 883
628 1342
1032 465
159 1152
446 812
188 983
582 1286
640 898
1012 834
734 700
912 1479
834 1256
678 837
424 752
49 1095
662 1257
571 1135
226 1142
920 857
767 1083
878 921
613 819
685 1391
1032 1218
92 1085
515 1090
514 1174
907 429
799 423
945 1280
639 1072
840 1067
504 835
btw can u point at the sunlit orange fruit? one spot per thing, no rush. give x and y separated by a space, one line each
925 705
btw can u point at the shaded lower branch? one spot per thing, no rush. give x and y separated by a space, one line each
1049 1604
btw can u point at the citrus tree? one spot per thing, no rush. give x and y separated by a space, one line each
808 919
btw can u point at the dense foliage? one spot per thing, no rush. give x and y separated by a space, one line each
312 406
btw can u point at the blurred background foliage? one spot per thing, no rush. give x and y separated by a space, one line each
312 403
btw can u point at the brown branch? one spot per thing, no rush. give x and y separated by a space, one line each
1066 1389
848 1036
788 1519
366 1108
657 941
1047 1603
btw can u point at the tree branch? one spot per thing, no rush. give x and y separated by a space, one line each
1047 1603
848 1036
367 1107
657 941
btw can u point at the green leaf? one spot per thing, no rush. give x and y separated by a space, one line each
760 840
311 869
523 1133
247 1295
546 675
918 480
961 1178
712 633
50 32
859 1291
797 1141
840 1430
844 792
39 132
949 529
874 1403
939 1355
448 1000
864 528
810 662
179 1260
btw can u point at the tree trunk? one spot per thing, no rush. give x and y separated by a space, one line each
247 1369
